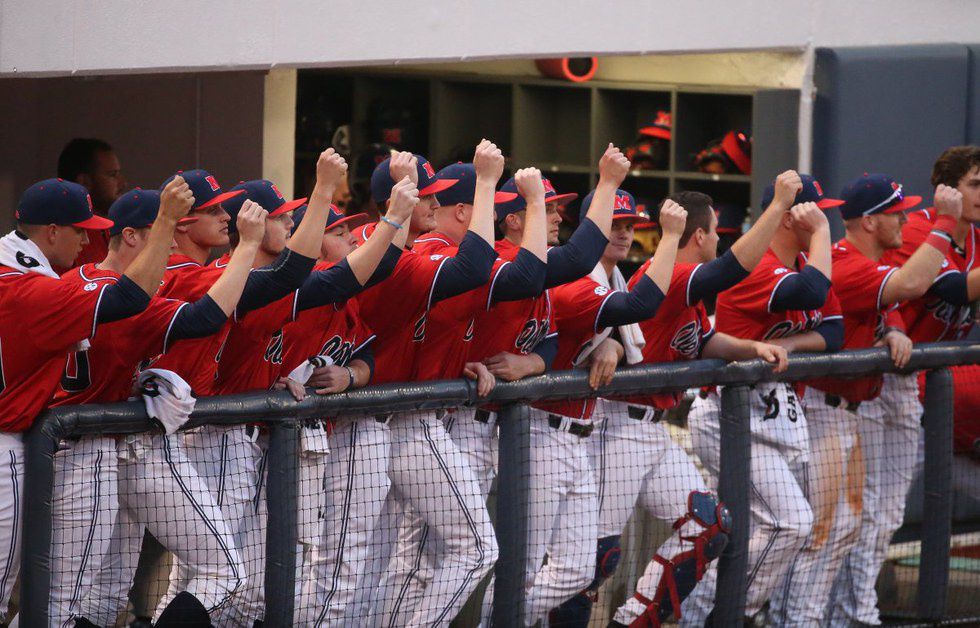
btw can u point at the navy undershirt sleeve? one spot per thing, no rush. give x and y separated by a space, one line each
639 304
833 334
952 289
806 290
333 285
270 283
521 279
366 355
120 300
386 266
715 277
468 269
197 320
547 349
577 257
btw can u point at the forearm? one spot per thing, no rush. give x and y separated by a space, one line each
914 278
481 222
364 260
469 269
577 257
639 304
270 283
973 285
724 347
521 279
146 271
601 210
227 290
202 318
661 267
715 277
308 236
535 239
750 248
809 341
386 267
819 254
333 285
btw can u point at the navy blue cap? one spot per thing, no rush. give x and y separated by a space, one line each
58 202
334 219
508 200
465 188
812 192
205 188
137 209
872 194
624 207
429 181
263 192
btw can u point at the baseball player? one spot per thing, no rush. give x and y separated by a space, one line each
52 216
786 300
564 513
158 489
891 422
450 328
666 482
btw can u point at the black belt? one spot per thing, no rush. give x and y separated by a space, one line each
836 401
575 429
481 415
640 413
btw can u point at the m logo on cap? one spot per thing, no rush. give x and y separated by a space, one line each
663 119
278 193
622 203
816 184
212 182
428 170
548 188
88 197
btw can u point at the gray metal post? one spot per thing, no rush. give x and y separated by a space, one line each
281 535
35 559
938 501
733 489
514 472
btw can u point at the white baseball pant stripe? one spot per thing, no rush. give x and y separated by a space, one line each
160 490
781 517
890 427
834 485
83 511
11 511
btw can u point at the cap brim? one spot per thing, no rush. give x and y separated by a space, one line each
645 224
288 206
633 217
353 221
907 203
95 222
437 186
221 198
827 203
504 197
186 220
561 199
653 131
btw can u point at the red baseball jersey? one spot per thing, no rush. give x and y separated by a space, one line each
195 360
577 308
511 326
451 322
41 320
104 373
859 283
335 330
677 332
929 318
966 407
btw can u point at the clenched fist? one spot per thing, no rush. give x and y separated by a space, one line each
788 185
331 169
488 161
176 199
673 218
251 222
613 166
948 201
530 185
404 164
809 217
404 198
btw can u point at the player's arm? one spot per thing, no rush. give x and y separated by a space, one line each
330 171
827 337
814 222
468 269
724 347
488 161
603 361
646 295
957 288
329 380
365 259
613 168
525 276
914 278
750 248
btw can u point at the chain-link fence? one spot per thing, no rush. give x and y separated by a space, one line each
422 504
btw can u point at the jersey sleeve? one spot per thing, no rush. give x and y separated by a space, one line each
859 282
757 291
832 308
579 304
914 233
63 313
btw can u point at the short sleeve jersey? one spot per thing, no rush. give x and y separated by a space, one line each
512 326
195 360
577 308
859 283
105 371
41 320
929 318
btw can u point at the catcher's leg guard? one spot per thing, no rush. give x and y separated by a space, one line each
683 571
575 612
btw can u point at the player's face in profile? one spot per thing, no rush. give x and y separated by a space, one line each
709 245
67 244
424 215
211 227
277 233
337 244
969 187
620 240
888 230
553 220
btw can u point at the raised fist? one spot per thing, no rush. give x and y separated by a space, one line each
488 161
404 198
948 201
176 199
530 185
613 166
809 217
673 218
788 185
251 222
404 164
331 169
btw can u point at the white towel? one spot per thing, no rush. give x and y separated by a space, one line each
304 371
313 437
20 252
630 335
167 397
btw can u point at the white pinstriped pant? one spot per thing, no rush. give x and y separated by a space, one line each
11 511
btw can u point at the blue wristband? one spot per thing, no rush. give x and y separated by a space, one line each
391 222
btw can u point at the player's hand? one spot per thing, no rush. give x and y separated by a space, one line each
899 345
404 198
788 185
484 379
509 367
602 363
251 222
613 166
404 164
176 199
488 160
329 380
773 354
530 185
672 219
948 201
331 169
297 390
809 217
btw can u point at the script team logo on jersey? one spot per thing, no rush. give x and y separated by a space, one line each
687 340
273 352
418 332
784 329
338 349
533 332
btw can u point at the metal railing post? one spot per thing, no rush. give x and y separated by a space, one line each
938 500
513 476
282 476
733 489
41 443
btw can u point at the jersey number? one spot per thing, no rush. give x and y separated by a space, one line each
78 378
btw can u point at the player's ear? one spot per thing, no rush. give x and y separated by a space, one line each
460 212
51 234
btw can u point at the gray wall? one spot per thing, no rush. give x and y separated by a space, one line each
157 123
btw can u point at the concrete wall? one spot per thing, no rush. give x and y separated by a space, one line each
71 36
157 124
